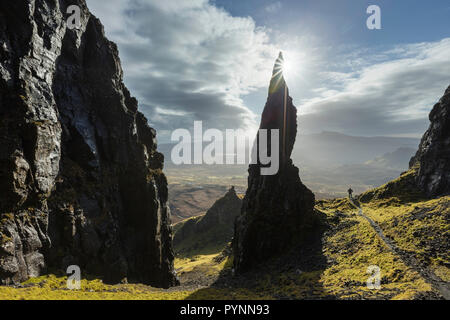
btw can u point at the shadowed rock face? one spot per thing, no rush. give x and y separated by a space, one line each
81 182
277 210
433 155
214 229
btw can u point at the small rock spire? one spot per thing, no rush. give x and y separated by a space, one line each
277 210
277 82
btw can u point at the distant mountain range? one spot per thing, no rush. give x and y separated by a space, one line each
393 160
332 149
329 163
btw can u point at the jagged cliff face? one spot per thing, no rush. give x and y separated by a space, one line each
81 182
433 156
277 210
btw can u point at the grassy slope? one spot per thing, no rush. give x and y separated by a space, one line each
204 235
349 246
420 227
205 243
354 246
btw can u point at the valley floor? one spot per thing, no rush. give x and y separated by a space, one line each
334 264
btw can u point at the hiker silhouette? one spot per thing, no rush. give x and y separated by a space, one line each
350 193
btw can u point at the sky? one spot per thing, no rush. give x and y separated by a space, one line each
195 60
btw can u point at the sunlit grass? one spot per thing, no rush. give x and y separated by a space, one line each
350 246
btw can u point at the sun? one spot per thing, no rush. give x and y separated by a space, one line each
287 66
291 66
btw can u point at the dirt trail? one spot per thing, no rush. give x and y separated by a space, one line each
429 276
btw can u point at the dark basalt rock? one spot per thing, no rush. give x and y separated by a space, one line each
277 210
81 181
433 156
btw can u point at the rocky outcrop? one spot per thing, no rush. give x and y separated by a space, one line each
277 210
213 230
81 181
433 156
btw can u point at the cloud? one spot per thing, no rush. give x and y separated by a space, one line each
274 7
391 97
188 60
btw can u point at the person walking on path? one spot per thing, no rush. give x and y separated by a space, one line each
350 193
